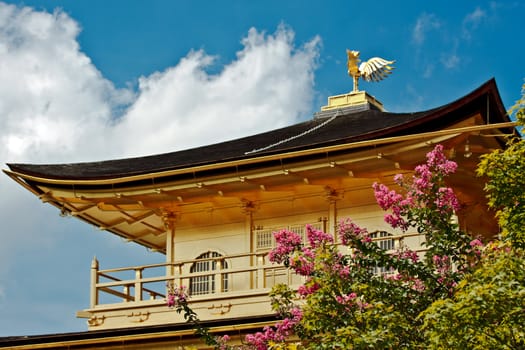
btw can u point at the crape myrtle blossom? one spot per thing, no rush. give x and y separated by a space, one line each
425 190
477 246
407 254
291 252
286 243
309 287
349 230
177 296
302 263
351 300
317 237
277 334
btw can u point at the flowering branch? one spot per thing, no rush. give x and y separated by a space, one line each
178 299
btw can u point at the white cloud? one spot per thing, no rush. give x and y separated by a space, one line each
53 99
56 106
450 60
269 85
472 21
429 69
443 37
424 23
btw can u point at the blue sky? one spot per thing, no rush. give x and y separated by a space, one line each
91 79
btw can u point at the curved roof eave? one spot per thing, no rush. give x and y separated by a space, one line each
349 128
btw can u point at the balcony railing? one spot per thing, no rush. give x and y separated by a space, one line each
231 276
245 273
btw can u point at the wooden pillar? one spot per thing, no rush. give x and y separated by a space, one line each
332 196
332 218
248 208
170 251
170 219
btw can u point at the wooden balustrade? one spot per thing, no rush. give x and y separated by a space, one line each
246 273
241 278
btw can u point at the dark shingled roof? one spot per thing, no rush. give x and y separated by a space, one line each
326 129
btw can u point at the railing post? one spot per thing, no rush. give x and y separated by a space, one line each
138 284
180 271
93 299
261 280
398 243
218 276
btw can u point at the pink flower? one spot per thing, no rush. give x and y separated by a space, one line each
396 221
348 231
222 342
346 299
446 200
343 271
418 285
399 179
385 197
317 237
301 265
307 289
422 179
442 263
257 340
171 300
409 255
287 242
297 314
476 243
282 330
176 295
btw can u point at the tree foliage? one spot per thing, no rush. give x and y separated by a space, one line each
487 310
506 183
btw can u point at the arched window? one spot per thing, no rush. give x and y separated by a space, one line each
200 285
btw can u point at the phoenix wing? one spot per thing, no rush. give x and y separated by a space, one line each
376 69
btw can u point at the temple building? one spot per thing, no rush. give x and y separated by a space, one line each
211 210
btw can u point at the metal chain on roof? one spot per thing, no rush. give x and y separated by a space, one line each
295 136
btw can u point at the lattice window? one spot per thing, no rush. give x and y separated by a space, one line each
301 230
386 244
200 285
317 226
264 239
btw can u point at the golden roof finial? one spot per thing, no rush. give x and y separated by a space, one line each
375 69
